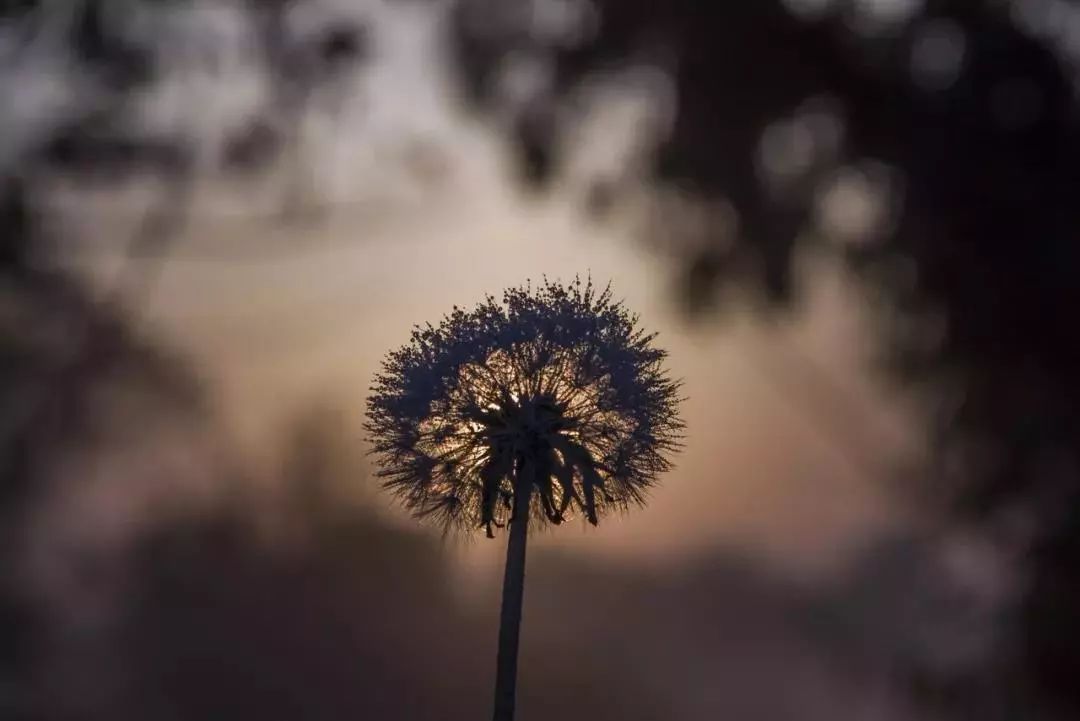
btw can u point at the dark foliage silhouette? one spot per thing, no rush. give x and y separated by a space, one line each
551 402
970 106
55 410
62 348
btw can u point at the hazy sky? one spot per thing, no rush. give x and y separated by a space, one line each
416 212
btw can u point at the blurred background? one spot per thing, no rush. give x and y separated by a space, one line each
851 222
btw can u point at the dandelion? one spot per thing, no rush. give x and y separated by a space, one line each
550 404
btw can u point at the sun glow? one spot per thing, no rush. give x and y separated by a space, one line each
530 393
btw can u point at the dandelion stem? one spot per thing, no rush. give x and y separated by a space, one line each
513 595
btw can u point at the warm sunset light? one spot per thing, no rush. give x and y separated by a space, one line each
301 357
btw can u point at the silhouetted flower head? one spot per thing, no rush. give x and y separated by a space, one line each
554 386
